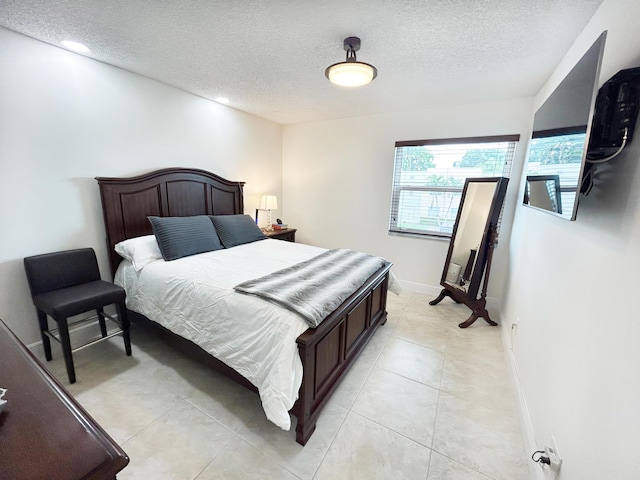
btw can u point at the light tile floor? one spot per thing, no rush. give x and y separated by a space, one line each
425 400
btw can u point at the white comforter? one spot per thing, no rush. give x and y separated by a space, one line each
194 298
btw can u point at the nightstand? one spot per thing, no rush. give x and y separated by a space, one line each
288 235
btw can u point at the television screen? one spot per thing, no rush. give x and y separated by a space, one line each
558 144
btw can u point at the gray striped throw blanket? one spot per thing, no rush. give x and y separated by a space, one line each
316 287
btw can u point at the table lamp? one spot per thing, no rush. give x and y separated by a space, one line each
268 203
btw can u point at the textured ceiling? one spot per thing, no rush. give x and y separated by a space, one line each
268 57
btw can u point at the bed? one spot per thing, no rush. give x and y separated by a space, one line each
325 353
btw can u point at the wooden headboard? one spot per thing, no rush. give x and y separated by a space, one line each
175 192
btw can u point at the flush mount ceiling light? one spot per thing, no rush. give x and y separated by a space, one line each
351 73
75 46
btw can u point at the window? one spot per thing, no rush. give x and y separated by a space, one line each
429 175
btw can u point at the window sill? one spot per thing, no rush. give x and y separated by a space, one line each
424 236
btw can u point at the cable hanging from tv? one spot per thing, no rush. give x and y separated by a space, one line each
593 159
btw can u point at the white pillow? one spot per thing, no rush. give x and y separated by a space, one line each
140 251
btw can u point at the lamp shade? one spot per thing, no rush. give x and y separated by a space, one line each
268 202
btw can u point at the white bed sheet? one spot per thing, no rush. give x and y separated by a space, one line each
254 337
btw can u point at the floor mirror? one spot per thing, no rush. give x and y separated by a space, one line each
466 270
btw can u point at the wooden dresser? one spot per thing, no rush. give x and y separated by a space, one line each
44 432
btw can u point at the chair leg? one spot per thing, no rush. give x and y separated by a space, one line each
44 327
101 321
124 322
63 326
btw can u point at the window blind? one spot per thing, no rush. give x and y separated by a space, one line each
429 176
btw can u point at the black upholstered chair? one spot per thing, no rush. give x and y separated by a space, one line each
65 284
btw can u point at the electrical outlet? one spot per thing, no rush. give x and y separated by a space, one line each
514 331
552 452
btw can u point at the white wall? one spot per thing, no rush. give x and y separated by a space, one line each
65 119
337 181
572 291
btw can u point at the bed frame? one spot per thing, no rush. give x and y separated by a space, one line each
327 352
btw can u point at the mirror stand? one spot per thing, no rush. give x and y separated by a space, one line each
477 305
473 240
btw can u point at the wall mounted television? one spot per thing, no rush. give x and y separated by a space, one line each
558 145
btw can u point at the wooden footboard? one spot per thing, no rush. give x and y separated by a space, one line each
328 351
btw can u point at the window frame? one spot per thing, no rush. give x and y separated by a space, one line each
397 187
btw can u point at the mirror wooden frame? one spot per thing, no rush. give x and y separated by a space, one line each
479 265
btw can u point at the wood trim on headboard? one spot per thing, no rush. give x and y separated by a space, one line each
175 192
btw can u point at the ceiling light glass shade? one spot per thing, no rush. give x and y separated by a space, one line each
351 74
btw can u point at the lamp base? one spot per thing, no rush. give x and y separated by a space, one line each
269 228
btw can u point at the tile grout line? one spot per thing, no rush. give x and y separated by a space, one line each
440 392
349 410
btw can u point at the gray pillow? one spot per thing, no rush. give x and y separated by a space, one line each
236 229
184 236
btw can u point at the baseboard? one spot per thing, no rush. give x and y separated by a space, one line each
535 472
419 288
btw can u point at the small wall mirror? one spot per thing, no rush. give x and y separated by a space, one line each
470 250
558 145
